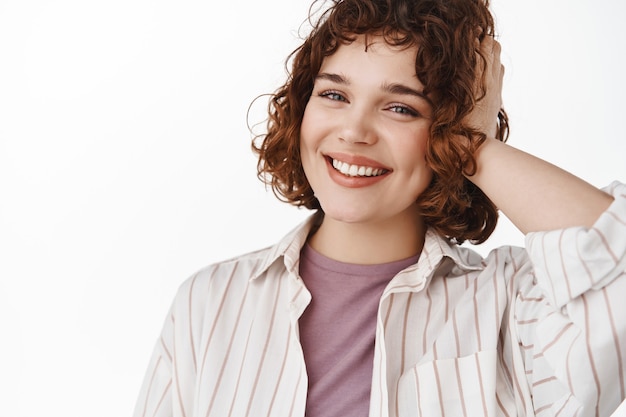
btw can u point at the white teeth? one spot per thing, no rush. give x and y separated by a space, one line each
356 170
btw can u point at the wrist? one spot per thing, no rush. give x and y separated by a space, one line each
484 153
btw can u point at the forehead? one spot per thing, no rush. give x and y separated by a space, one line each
371 55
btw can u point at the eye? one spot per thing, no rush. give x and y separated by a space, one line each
332 95
403 109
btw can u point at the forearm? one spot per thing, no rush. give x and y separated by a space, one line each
534 194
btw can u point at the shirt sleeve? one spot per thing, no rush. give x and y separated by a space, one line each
571 317
155 396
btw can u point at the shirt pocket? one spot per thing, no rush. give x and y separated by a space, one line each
463 386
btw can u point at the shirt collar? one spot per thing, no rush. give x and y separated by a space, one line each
436 250
289 247
438 256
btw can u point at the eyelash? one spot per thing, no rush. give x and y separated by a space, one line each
404 110
401 108
328 94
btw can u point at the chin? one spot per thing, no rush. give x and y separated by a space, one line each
345 214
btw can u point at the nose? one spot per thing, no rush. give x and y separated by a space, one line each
358 127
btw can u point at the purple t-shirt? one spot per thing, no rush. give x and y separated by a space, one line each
337 331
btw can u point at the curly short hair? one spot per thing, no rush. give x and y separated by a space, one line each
448 63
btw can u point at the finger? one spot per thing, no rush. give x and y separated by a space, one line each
490 44
495 47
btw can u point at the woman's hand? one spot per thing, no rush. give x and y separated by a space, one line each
534 194
488 90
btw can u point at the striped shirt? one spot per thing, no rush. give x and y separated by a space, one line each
523 332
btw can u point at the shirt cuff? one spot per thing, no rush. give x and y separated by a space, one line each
570 261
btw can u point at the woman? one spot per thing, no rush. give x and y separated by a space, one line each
390 127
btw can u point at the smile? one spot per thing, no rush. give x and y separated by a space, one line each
357 170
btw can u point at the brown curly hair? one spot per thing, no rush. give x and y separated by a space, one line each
448 64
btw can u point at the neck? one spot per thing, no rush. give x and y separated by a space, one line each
370 243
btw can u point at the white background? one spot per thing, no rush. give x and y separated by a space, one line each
125 163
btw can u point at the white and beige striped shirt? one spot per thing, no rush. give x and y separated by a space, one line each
524 332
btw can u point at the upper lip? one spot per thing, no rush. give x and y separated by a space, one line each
356 160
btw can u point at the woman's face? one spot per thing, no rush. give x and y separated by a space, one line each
364 133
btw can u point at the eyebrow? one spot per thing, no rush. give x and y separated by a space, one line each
335 78
401 89
393 88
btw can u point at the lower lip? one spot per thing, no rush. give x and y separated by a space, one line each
352 182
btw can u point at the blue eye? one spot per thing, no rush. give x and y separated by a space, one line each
332 95
400 109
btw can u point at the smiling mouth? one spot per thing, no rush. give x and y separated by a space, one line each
357 170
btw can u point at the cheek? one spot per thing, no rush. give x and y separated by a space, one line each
414 147
306 129
314 129
306 144
413 156
423 143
